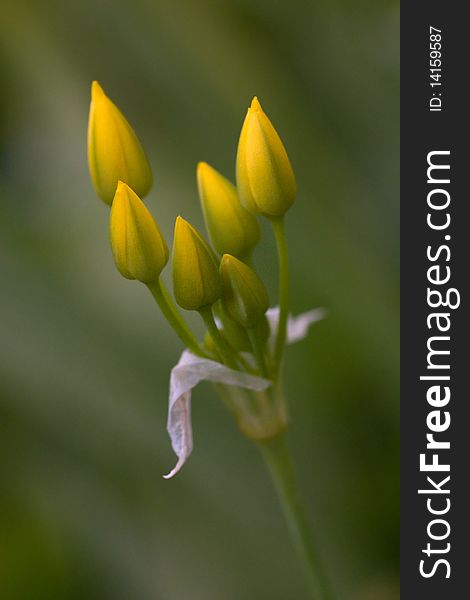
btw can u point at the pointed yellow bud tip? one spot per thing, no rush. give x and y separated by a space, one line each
231 228
139 250
196 279
265 179
96 91
201 168
114 151
255 105
244 296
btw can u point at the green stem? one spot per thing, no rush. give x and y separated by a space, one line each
238 356
278 226
258 350
172 315
223 348
276 454
240 359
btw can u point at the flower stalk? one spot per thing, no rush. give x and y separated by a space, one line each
278 226
174 318
227 354
258 351
276 455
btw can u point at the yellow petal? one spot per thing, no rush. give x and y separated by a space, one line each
114 151
196 279
139 250
265 179
232 229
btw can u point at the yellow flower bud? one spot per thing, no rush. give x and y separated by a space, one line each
243 293
196 279
139 250
265 180
231 228
114 151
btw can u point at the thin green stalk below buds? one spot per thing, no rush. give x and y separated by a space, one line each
227 354
170 312
259 351
278 226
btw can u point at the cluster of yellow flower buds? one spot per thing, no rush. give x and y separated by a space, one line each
219 281
202 281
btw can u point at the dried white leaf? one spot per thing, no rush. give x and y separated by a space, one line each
192 369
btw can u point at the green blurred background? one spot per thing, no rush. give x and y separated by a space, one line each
85 356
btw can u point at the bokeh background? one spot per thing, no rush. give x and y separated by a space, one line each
85 356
